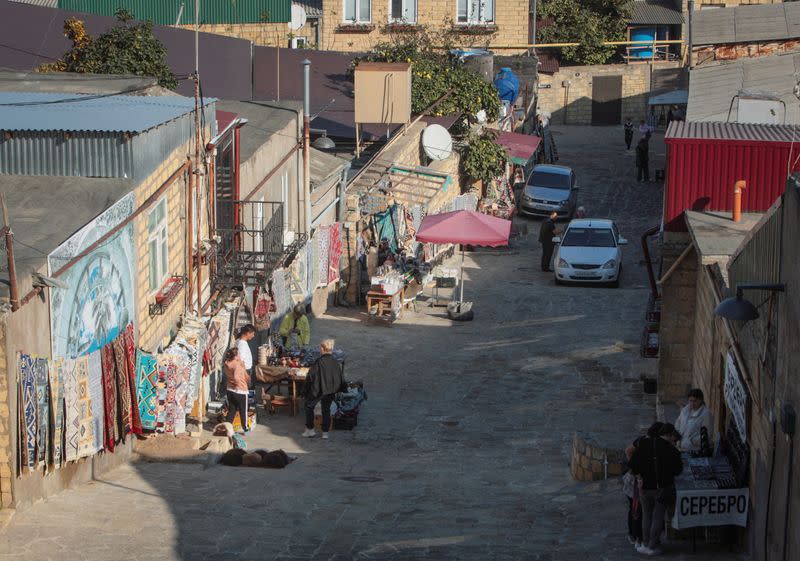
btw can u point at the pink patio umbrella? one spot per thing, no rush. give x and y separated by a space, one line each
465 227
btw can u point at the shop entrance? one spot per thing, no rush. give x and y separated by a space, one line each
606 100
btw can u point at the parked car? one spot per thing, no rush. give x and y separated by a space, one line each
589 251
550 188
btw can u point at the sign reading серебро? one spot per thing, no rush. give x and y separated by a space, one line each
710 507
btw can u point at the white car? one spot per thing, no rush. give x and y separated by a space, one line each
589 252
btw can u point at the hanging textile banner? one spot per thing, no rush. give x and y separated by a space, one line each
280 293
27 409
130 365
41 375
334 252
95 364
385 228
56 413
323 255
298 279
86 445
146 384
123 389
312 256
110 399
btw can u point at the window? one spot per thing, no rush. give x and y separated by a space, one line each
357 11
475 11
588 237
403 11
550 180
157 244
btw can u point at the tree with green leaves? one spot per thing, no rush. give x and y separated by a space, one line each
127 48
588 22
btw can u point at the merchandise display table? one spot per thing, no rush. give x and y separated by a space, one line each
707 495
385 305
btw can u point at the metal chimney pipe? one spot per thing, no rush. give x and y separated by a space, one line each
738 187
307 144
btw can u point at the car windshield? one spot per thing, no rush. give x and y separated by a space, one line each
549 180
588 237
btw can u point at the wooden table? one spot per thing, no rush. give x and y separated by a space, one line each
272 375
385 304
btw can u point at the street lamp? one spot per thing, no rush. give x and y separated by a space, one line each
739 309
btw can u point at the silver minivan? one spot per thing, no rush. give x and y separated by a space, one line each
550 188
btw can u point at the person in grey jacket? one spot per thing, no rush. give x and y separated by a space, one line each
324 380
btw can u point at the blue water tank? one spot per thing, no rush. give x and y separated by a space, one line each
507 85
642 34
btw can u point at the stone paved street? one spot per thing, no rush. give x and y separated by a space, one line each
462 448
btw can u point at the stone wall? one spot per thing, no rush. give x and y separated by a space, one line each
511 25
677 320
592 462
264 34
572 103
718 53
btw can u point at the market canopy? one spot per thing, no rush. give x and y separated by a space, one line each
520 147
677 97
465 227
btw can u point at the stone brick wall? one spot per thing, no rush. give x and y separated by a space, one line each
511 25
718 53
592 462
264 34
573 104
677 322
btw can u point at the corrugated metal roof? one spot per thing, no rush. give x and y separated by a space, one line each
712 88
24 111
686 130
746 24
655 12
45 3
165 12
313 8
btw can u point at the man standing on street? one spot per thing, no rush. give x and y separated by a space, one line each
643 160
547 232
628 133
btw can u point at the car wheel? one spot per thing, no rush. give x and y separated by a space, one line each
618 280
558 281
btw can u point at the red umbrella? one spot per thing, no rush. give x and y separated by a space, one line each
465 227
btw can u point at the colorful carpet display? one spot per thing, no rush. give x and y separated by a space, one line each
71 410
85 421
56 413
123 388
129 342
97 401
27 408
323 237
335 252
41 372
110 396
147 388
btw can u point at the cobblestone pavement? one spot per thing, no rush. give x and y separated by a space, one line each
462 449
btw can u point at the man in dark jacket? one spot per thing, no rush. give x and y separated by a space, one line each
656 462
628 132
324 380
643 160
547 231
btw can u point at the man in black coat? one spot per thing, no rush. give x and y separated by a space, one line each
547 231
324 380
643 160
656 462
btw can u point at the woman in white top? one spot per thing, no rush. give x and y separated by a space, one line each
693 417
246 333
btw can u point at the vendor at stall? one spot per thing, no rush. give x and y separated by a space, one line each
296 324
693 417
385 252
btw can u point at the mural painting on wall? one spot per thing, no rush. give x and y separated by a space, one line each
99 300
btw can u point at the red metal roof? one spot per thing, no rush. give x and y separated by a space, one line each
683 130
704 160
519 146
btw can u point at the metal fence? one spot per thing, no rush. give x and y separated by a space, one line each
251 241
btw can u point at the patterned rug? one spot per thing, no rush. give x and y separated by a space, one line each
161 397
111 435
71 410
147 389
279 293
335 252
41 371
96 395
86 446
56 413
123 387
312 259
27 408
128 341
324 247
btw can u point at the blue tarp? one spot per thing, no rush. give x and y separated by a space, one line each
507 85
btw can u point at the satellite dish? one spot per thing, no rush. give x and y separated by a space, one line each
437 142
299 17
